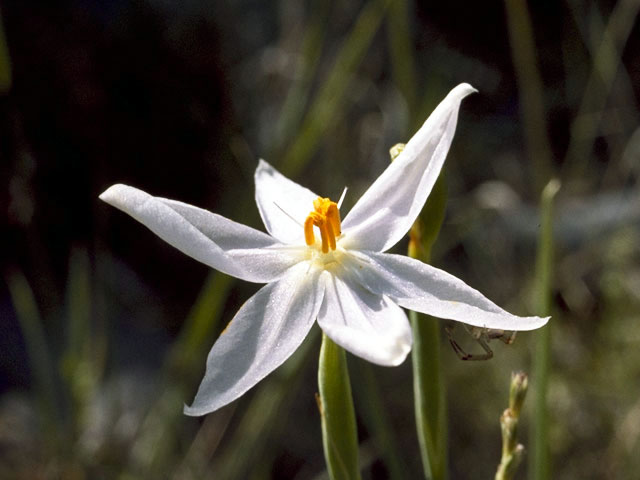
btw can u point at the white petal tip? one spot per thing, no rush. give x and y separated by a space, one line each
507 322
400 357
388 353
463 90
523 324
544 321
392 356
113 193
263 168
193 412
399 349
263 165
390 350
392 359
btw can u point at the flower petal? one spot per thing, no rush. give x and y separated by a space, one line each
268 328
423 288
368 325
386 211
214 240
275 195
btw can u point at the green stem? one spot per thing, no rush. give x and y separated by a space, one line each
80 366
428 382
429 398
540 461
339 433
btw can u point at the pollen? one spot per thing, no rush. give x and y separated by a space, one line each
326 217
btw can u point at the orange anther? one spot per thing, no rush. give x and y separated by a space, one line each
309 237
327 218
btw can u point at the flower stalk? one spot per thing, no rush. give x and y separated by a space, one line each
512 451
335 403
428 383
429 396
540 462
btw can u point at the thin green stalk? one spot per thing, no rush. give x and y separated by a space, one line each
402 65
540 463
428 383
530 87
79 366
429 395
324 111
339 433
79 303
298 95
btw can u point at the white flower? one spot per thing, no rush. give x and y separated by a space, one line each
343 279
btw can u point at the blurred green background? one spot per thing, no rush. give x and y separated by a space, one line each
104 328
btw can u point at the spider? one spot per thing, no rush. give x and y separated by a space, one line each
481 335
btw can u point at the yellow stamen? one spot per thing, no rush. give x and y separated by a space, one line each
327 218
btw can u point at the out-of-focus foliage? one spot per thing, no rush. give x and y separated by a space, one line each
104 329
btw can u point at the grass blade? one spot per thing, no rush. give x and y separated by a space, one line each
330 99
530 87
40 359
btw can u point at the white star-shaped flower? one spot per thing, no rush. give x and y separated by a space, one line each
317 267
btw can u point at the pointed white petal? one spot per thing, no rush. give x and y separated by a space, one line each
386 211
368 325
423 288
214 240
269 327
283 204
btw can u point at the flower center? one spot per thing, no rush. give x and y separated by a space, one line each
327 218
